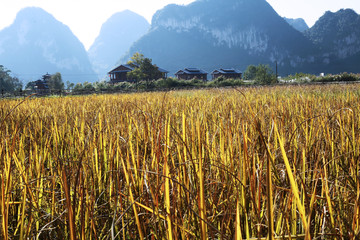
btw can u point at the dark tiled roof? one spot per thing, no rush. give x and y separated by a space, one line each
121 71
124 65
41 84
163 70
190 71
130 67
227 71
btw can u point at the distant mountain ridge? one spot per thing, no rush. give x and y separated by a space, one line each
298 23
236 33
337 35
36 43
117 34
209 34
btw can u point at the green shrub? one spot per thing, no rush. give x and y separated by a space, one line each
101 86
78 88
223 82
123 86
346 77
88 87
343 77
167 83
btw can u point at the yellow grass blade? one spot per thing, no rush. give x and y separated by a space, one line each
132 199
238 235
167 184
270 208
204 164
293 184
69 208
202 206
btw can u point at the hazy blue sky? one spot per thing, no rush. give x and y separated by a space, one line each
85 17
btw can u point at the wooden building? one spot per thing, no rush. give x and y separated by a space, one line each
119 74
41 85
191 73
226 73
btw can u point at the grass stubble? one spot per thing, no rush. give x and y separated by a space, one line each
252 163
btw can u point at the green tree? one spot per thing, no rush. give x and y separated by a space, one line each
101 86
136 75
78 87
262 74
70 85
151 71
55 82
250 72
87 86
143 68
8 83
136 60
30 85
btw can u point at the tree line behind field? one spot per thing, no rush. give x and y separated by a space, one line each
145 71
8 83
174 83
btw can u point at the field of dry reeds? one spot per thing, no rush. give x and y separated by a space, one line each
277 162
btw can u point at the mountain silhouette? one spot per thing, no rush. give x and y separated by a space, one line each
209 34
36 43
117 34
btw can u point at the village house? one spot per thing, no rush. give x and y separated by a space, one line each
191 73
226 73
41 85
119 74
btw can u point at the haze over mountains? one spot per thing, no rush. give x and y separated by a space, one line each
36 43
207 34
117 34
298 23
230 33
337 35
235 33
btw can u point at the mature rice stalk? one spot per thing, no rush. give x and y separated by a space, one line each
238 235
69 207
234 163
202 205
4 210
327 194
293 184
270 208
356 217
22 227
244 172
167 183
294 219
185 165
138 224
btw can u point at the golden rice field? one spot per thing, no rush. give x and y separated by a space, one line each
247 163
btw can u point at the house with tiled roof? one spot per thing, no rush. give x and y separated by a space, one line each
226 73
191 73
41 86
119 73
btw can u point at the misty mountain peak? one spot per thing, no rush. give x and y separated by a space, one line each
116 36
34 13
127 19
229 33
337 33
297 23
37 43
